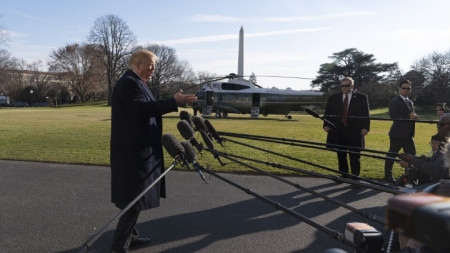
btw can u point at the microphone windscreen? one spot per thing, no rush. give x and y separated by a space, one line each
207 140
172 145
189 153
185 129
199 123
185 115
212 130
314 114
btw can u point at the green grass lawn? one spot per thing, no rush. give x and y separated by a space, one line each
81 134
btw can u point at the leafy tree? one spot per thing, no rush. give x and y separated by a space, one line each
370 77
114 40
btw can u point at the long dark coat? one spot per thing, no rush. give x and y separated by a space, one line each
398 109
136 149
359 106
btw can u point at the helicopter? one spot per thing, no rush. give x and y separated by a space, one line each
241 96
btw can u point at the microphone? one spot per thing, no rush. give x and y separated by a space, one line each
315 115
174 148
191 156
210 146
172 145
199 124
213 132
187 133
185 115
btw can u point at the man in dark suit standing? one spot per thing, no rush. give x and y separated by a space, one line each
401 134
136 148
348 131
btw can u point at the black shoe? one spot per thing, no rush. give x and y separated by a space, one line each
139 242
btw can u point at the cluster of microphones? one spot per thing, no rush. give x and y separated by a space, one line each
184 150
422 217
363 237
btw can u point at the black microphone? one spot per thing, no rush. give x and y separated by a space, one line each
172 145
187 133
185 115
315 115
174 148
213 132
210 146
199 124
191 156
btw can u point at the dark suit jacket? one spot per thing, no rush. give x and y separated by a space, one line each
136 149
359 106
401 129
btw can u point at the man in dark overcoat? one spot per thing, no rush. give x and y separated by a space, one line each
401 134
348 132
136 149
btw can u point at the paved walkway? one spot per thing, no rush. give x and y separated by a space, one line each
47 207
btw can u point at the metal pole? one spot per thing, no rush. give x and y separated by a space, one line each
87 244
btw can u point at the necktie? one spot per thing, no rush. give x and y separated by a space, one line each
344 120
408 103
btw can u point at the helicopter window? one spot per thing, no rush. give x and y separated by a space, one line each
200 94
233 86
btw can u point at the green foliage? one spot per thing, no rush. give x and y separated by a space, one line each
81 135
370 77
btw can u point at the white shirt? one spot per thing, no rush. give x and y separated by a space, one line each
349 97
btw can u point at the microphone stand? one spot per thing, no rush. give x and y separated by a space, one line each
333 149
337 202
266 138
334 234
320 166
394 119
88 244
315 115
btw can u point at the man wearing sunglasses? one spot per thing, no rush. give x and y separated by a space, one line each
349 131
401 134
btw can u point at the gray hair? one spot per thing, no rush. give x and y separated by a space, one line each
445 118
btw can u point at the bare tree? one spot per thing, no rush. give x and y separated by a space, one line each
80 66
5 65
38 79
115 40
252 78
170 73
435 69
15 79
4 34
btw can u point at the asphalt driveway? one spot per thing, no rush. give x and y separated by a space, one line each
47 207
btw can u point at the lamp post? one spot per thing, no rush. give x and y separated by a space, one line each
31 95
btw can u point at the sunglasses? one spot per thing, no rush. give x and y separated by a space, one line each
345 85
405 88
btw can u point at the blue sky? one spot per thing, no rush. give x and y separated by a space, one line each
282 38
